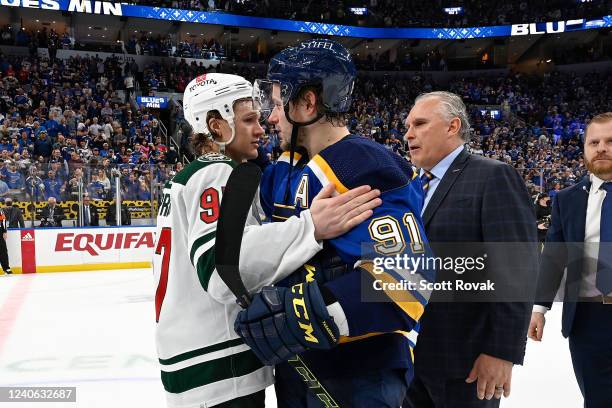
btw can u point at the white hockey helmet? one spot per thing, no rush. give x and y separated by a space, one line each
211 92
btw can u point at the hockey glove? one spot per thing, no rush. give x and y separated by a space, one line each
282 322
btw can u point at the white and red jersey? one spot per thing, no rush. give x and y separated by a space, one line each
203 362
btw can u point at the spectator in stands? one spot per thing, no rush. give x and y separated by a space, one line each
144 192
104 181
90 214
128 82
75 161
4 190
552 193
95 188
54 187
131 187
14 178
34 185
43 146
75 185
52 215
111 214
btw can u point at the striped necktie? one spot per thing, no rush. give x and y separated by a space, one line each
603 281
426 178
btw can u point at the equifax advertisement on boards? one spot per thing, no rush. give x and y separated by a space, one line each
67 249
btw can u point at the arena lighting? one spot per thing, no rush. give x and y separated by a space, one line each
317 28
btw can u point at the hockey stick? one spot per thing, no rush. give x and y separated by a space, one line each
235 206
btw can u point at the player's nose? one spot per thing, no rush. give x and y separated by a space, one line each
273 118
258 131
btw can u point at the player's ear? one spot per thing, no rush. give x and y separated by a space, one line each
310 101
214 126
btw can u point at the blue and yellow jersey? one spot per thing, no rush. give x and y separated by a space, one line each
394 229
274 180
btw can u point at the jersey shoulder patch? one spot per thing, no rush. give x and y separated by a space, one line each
213 157
201 162
356 160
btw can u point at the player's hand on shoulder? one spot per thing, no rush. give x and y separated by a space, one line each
282 322
335 216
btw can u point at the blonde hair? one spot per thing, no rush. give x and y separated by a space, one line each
601 118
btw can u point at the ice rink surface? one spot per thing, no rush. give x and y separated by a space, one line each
95 331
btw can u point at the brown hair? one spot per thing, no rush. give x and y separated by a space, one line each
201 144
335 118
600 118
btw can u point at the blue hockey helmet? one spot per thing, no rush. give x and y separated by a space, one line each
318 62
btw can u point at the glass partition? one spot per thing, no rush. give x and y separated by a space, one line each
58 194
72 194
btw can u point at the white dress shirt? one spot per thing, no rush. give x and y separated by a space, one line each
591 239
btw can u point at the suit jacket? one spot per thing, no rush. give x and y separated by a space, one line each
93 212
14 217
111 215
58 214
480 201
564 249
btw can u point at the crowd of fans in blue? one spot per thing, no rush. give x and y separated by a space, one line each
64 128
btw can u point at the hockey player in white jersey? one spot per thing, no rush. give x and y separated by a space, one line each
203 362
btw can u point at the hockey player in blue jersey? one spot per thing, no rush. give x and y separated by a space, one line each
357 348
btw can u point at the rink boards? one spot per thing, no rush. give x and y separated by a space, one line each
80 249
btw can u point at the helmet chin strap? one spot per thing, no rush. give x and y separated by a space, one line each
293 145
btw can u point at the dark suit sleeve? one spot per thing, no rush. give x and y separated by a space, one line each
508 218
554 259
61 215
20 219
110 215
95 219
